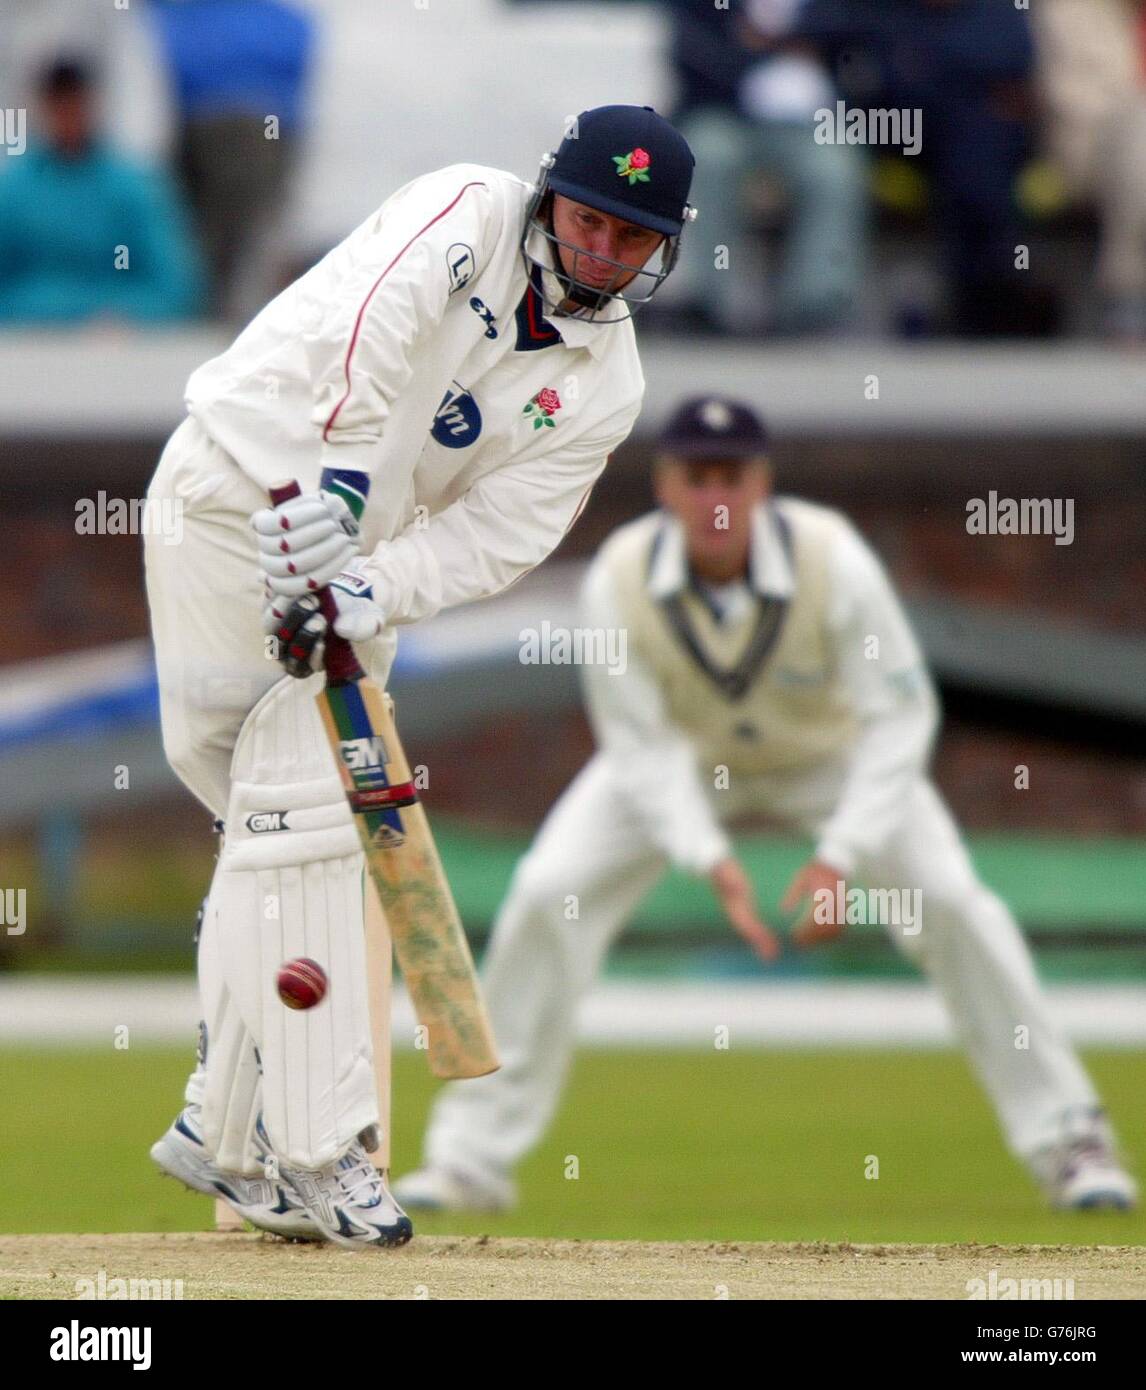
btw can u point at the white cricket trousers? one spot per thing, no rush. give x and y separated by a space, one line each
247 740
539 965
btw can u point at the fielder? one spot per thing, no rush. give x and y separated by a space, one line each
446 385
763 638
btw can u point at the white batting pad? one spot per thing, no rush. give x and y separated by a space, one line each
289 883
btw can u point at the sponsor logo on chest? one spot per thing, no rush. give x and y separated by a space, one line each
457 421
486 316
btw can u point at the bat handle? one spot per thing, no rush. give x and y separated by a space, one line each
283 492
339 661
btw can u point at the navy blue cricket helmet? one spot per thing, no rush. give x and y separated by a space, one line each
626 161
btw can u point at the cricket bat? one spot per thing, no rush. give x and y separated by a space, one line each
379 982
402 859
227 1218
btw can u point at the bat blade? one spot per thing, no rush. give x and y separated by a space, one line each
379 982
403 863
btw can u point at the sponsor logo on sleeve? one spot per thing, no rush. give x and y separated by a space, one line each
461 265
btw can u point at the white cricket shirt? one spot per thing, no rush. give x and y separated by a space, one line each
418 354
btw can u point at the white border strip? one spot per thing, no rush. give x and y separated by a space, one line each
50 1010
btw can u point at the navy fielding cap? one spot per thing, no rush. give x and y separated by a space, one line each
628 161
713 427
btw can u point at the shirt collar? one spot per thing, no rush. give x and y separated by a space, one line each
581 333
575 332
769 567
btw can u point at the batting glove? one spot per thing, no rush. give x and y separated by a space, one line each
300 628
304 542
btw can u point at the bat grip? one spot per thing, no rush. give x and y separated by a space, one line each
338 660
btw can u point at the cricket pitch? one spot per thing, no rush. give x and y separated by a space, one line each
220 1266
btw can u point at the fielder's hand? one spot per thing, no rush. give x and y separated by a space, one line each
304 542
299 628
734 889
814 878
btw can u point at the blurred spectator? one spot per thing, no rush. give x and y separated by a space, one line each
85 232
239 69
1092 79
747 110
967 66
132 100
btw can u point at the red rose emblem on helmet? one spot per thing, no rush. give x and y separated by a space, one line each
634 166
548 400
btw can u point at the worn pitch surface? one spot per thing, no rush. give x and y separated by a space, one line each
216 1266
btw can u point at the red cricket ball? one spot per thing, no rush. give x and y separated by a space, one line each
301 983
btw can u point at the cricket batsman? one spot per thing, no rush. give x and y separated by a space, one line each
446 385
764 638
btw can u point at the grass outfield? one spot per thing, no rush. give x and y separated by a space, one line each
725 1146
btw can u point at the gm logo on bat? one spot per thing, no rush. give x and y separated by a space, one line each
359 754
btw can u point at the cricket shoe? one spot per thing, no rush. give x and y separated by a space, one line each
1084 1174
449 1189
271 1206
348 1200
